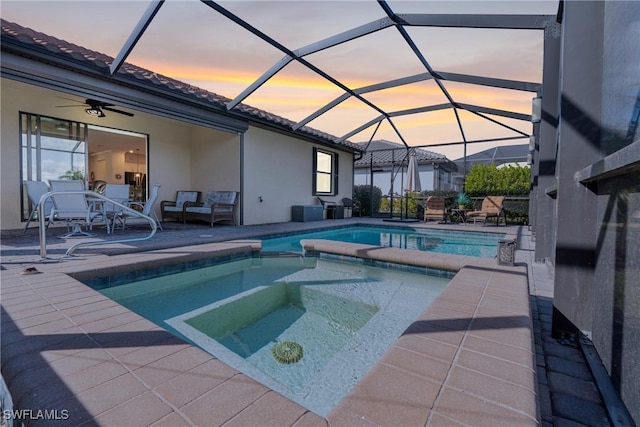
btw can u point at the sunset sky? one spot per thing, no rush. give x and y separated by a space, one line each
191 42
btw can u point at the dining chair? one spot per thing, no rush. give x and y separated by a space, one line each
35 191
147 208
119 193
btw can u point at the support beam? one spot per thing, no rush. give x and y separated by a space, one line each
259 82
286 51
419 110
135 35
488 81
321 111
345 36
360 129
505 22
496 112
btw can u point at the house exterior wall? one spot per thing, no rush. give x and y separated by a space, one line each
169 143
382 179
279 169
181 157
215 162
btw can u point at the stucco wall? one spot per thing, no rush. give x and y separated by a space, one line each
169 143
279 169
597 285
215 162
616 313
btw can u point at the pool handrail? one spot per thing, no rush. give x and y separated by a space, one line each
93 194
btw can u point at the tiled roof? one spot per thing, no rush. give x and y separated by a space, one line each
498 155
394 152
80 57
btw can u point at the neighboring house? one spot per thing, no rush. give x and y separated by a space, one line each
385 164
169 132
497 156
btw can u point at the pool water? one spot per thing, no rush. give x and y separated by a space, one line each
344 316
468 243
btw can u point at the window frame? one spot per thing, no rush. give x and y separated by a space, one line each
333 173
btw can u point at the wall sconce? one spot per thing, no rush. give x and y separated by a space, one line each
536 110
94 111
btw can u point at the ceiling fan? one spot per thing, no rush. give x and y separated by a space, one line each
95 108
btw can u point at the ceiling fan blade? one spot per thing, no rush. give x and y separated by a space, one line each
114 110
76 105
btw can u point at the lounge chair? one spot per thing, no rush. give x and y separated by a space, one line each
218 206
35 190
175 208
435 209
491 207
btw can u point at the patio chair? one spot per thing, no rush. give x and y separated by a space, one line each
35 190
218 206
328 206
74 209
175 208
491 207
434 209
351 207
118 193
146 208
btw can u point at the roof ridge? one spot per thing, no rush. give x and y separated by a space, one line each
398 146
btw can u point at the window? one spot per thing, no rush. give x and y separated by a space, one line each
325 173
51 149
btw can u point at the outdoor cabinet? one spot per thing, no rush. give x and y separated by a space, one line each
304 213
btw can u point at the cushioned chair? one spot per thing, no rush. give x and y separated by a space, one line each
175 208
434 209
218 206
491 207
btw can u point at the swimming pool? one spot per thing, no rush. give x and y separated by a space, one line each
344 316
468 243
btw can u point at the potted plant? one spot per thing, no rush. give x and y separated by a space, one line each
463 200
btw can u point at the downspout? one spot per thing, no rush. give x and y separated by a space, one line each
241 168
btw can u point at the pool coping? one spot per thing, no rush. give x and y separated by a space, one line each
468 358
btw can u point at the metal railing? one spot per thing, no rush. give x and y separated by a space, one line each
94 195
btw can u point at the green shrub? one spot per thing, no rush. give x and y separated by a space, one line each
362 196
488 180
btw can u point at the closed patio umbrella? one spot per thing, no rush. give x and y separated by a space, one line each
413 175
413 178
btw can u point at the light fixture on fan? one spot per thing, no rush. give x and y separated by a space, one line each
94 111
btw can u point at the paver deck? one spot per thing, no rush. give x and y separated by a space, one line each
468 359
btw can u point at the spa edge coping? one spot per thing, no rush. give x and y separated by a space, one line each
468 358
